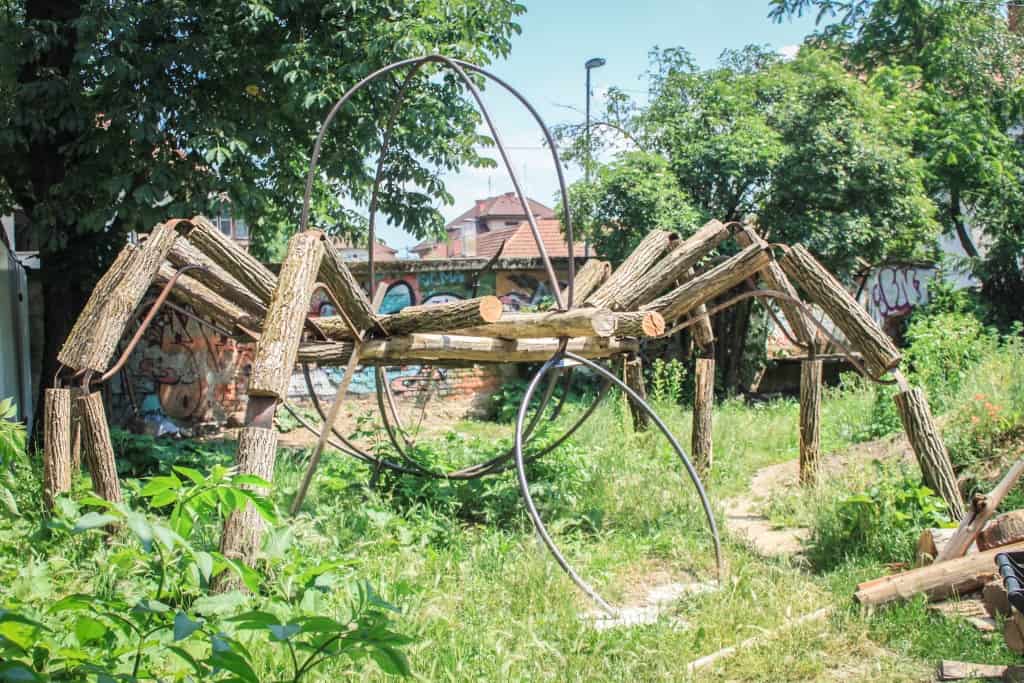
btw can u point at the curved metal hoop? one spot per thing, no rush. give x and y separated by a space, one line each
524 485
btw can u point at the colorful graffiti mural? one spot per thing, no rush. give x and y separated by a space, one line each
894 290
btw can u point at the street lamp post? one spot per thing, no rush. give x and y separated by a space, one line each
592 63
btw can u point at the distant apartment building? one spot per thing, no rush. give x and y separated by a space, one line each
499 224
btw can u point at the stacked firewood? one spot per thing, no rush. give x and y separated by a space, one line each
956 569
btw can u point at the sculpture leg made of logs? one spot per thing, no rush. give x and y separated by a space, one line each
602 314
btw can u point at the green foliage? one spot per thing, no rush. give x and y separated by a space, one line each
669 381
140 455
821 157
150 615
881 524
12 450
952 70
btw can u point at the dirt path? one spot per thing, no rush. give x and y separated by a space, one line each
743 515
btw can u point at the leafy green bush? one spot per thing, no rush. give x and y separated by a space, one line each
12 453
140 455
669 382
880 524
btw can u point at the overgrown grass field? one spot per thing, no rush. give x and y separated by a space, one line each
476 595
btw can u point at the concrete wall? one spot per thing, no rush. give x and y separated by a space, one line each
184 377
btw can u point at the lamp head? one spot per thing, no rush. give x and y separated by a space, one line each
594 62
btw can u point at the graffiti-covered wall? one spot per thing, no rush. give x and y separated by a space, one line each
184 375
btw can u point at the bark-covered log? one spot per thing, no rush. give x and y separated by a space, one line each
257 452
938 581
238 263
675 266
99 451
849 316
775 278
1003 530
56 445
710 283
205 302
75 346
578 322
703 420
425 348
928 447
633 377
76 431
278 344
639 324
351 297
215 278
592 275
810 421
628 276
950 670
442 317
116 310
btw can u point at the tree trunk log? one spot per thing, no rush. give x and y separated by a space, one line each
703 408
215 278
76 431
278 344
56 445
939 580
950 670
627 276
257 451
982 509
425 348
810 421
205 302
442 317
929 449
99 451
775 278
1003 530
664 274
860 329
237 262
113 313
710 283
75 345
639 324
633 377
588 278
702 332
578 322
351 297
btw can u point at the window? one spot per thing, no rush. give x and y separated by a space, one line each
224 223
241 229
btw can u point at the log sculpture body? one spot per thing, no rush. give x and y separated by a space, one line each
624 280
99 451
810 420
703 404
928 447
237 262
775 278
56 444
592 275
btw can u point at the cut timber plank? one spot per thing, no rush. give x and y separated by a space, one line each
1004 529
115 310
710 283
849 316
628 276
982 509
674 266
950 670
278 344
939 580
421 348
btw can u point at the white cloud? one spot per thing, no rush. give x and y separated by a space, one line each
789 51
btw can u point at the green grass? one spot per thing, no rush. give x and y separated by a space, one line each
483 600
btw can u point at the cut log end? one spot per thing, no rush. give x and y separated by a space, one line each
653 324
490 309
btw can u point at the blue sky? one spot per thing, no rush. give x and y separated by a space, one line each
546 65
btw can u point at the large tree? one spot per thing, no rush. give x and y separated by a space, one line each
955 69
117 114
